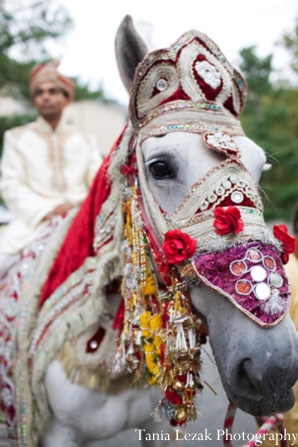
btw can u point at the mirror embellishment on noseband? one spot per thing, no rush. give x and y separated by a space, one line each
161 336
251 276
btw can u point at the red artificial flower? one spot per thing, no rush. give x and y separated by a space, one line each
127 170
288 242
178 246
130 167
227 220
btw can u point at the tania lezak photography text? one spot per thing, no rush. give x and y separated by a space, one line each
219 435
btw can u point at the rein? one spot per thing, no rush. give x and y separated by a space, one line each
263 430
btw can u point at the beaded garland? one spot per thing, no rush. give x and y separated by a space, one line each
161 336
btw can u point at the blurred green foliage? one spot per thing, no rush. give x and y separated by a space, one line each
270 119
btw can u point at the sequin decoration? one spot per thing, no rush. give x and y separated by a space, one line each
227 184
220 190
238 268
258 273
254 255
276 280
161 85
269 263
208 73
212 198
93 344
204 205
234 178
237 197
243 287
262 291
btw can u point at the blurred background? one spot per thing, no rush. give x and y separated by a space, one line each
261 35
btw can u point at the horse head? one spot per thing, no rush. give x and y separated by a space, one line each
196 243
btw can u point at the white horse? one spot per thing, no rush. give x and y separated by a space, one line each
179 170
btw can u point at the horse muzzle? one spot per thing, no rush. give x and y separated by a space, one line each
251 276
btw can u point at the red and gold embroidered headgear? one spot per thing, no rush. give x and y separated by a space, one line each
188 87
49 73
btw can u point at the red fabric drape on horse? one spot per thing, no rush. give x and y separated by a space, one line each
78 243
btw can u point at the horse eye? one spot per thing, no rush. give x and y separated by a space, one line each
160 170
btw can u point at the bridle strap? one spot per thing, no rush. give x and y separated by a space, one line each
263 430
154 241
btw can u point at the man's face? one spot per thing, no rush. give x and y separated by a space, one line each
49 100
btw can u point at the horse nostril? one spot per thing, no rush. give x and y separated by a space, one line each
249 378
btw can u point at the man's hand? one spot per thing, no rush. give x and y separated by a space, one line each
60 210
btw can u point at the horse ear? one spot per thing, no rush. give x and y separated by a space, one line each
130 50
